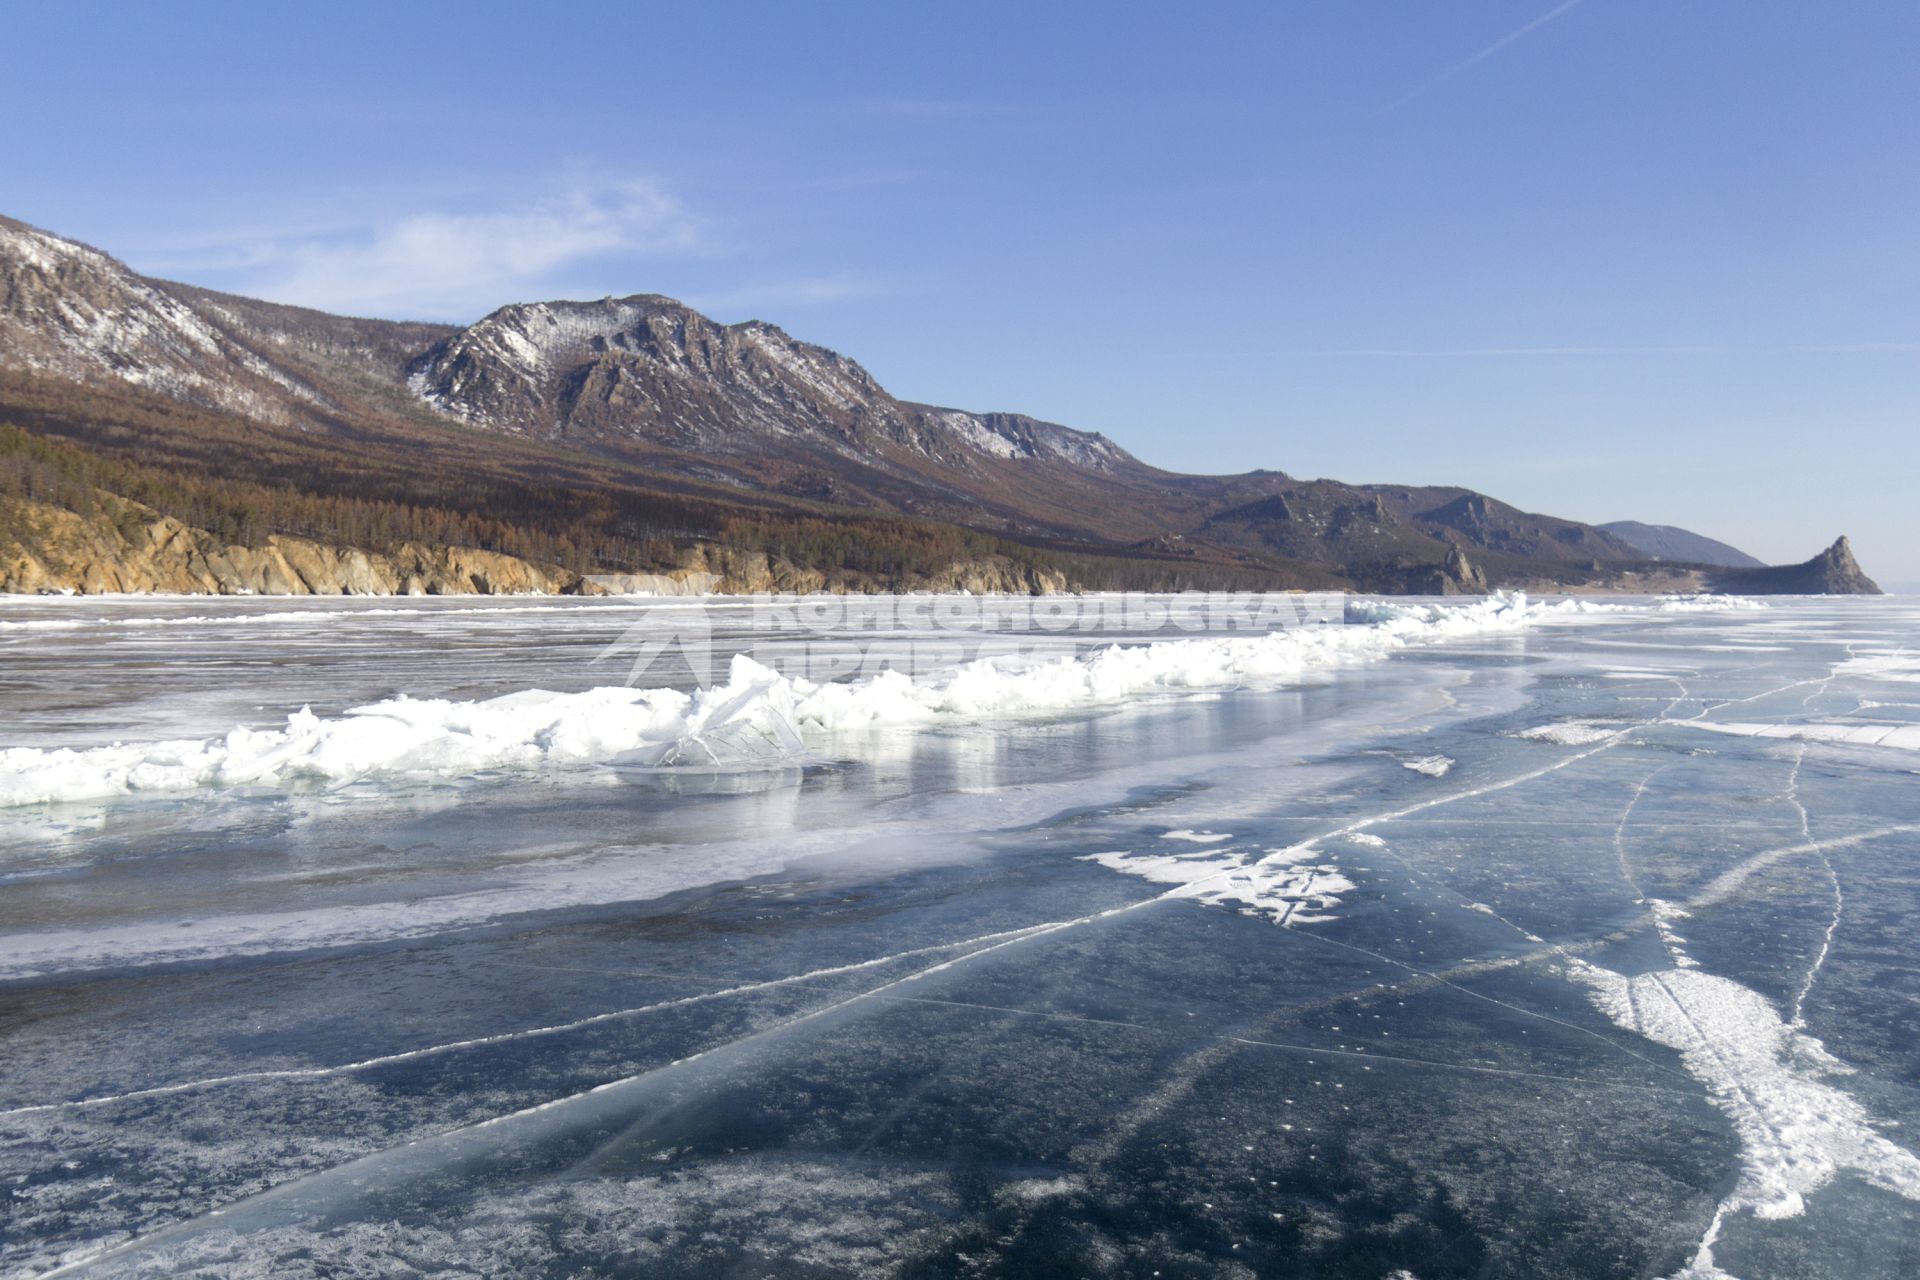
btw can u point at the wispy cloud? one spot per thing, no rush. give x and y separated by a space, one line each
441 265
1467 64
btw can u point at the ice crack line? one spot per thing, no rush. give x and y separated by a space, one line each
1660 912
1003 939
1706 711
1364 1055
1797 1020
1007 939
1445 981
1620 836
1724 885
506 1037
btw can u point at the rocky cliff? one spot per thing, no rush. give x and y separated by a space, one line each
122 546
1834 572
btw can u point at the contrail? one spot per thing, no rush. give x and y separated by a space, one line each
1479 57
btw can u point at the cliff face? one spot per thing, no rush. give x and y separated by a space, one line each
129 548
1834 572
121 546
125 547
723 571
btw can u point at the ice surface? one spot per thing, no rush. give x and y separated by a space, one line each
1623 990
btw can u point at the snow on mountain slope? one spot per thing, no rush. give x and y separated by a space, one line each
637 368
649 367
73 312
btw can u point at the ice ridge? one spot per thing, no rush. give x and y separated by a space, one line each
757 717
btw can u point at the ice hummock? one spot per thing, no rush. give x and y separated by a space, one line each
758 717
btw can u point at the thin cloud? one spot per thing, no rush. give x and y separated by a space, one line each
456 265
1480 57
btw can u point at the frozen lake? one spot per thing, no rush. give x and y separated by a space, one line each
1421 940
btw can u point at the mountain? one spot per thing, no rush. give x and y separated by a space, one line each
1834 572
73 312
1665 542
649 368
636 436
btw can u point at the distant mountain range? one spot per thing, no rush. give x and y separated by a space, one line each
1664 542
635 436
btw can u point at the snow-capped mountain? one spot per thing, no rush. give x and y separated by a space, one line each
745 404
651 368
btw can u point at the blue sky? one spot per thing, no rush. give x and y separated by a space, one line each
1609 259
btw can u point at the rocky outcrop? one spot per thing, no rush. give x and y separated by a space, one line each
1494 526
1834 572
128 548
1461 576
995 575
1454 576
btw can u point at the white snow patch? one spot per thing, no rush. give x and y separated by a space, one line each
979 435
1855 733
1280 885
1664 913
1034 1191
1796 1130
1710 604
1573 733
1903 668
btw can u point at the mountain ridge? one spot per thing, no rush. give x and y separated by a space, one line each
627 434
1669 542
